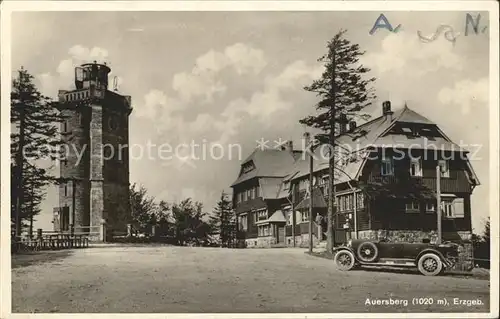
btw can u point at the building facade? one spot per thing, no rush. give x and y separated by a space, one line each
385 185
94 188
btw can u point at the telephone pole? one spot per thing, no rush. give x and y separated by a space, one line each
438 202
311 199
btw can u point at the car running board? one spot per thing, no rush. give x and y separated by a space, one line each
392 262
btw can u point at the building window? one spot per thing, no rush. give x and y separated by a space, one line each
360 200
65 190
263 230
415 167
430 207
257 191
65 126
444 168
244 196
249 194
447 208
345 202
254 217
262 215
452 208
244 222
407 130
412 207
386 167
304 216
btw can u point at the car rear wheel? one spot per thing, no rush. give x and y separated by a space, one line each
367 252
344 260
430 265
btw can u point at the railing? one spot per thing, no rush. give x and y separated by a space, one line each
50 242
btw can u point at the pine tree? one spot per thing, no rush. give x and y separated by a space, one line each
222 221
34 138
343 95
143 208
189 224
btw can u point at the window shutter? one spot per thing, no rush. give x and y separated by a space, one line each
458 208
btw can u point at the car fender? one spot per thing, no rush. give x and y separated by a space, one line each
445 261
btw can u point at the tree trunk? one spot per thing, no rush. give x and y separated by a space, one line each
19 173
331 167
331 203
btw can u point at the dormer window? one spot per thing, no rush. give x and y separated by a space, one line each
247 167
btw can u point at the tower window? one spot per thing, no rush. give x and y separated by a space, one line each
113 123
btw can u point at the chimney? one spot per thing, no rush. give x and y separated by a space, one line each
352 126
386 110
343 123
307 139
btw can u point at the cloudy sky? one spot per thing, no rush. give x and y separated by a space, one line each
236 77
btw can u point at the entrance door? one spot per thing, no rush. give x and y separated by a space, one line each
281 235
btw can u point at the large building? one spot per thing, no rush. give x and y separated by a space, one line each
94 189
385 186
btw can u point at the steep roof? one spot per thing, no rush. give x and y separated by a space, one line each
318 200
268 163
373 134
274 167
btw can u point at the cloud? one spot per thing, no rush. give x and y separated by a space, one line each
157 104
203 80
467 94
409 57
63 78
274 97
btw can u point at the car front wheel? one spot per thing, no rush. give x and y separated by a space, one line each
430 265
344 260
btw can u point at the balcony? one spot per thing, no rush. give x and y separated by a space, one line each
451 185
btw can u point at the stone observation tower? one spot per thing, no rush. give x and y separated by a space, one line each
94 189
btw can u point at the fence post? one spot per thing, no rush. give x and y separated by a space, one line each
103 230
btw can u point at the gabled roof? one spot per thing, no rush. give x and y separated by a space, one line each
318 200
270 186
373 134
273 167
268 163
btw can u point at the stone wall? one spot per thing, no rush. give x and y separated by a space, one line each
74 167
300 241
260 242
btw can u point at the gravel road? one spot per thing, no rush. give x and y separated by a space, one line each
189 279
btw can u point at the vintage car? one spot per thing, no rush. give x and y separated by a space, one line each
429 259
